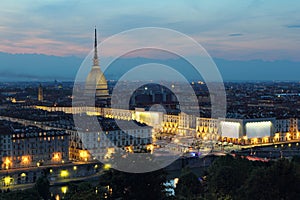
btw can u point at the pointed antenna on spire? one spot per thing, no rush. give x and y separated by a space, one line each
95 60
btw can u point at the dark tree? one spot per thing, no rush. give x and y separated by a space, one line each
226 175
42 185
188 186
279 181
136 186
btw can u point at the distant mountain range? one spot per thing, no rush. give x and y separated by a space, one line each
38 67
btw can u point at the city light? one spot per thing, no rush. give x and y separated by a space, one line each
176 180
150 147
64 173
109 152
7 163
7 180
258 129
230 129
106 166
84 155
25 160
56 156
64 189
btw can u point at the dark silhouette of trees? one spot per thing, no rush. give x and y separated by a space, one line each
135 186
188 186
42 186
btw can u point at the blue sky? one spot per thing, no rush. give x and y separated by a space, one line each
229 29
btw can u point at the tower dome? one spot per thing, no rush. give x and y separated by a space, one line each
96 84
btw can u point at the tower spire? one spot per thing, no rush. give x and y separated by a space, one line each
95 60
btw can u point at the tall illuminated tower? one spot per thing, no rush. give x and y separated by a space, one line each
96 83
40 93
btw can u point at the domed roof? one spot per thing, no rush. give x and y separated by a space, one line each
96 83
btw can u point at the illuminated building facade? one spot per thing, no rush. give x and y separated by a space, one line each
230 129
25 146
94 144
170 124
207 129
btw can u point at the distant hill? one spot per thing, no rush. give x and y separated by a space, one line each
38 67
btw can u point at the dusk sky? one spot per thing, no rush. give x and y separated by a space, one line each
231 29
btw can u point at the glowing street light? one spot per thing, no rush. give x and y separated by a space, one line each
107 166
7 180
64 173
64 189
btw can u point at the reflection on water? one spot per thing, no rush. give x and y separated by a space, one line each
58 192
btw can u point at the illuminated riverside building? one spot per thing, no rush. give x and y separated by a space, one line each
207 129
26 146
170 124
238 131
91 143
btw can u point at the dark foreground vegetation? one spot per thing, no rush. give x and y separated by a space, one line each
227 178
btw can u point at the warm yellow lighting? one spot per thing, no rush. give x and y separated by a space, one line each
107 166
150 147
7 163
288 135
110 151
75 168
56 156
25 160
176 180
290 145
57 197
38 164
255 140
84 155
51 170
64 189
7 180
245 137
129 149
64 173
96 166
176 140
23 174
266 139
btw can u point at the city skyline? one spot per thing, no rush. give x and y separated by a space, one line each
244 38
149 100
